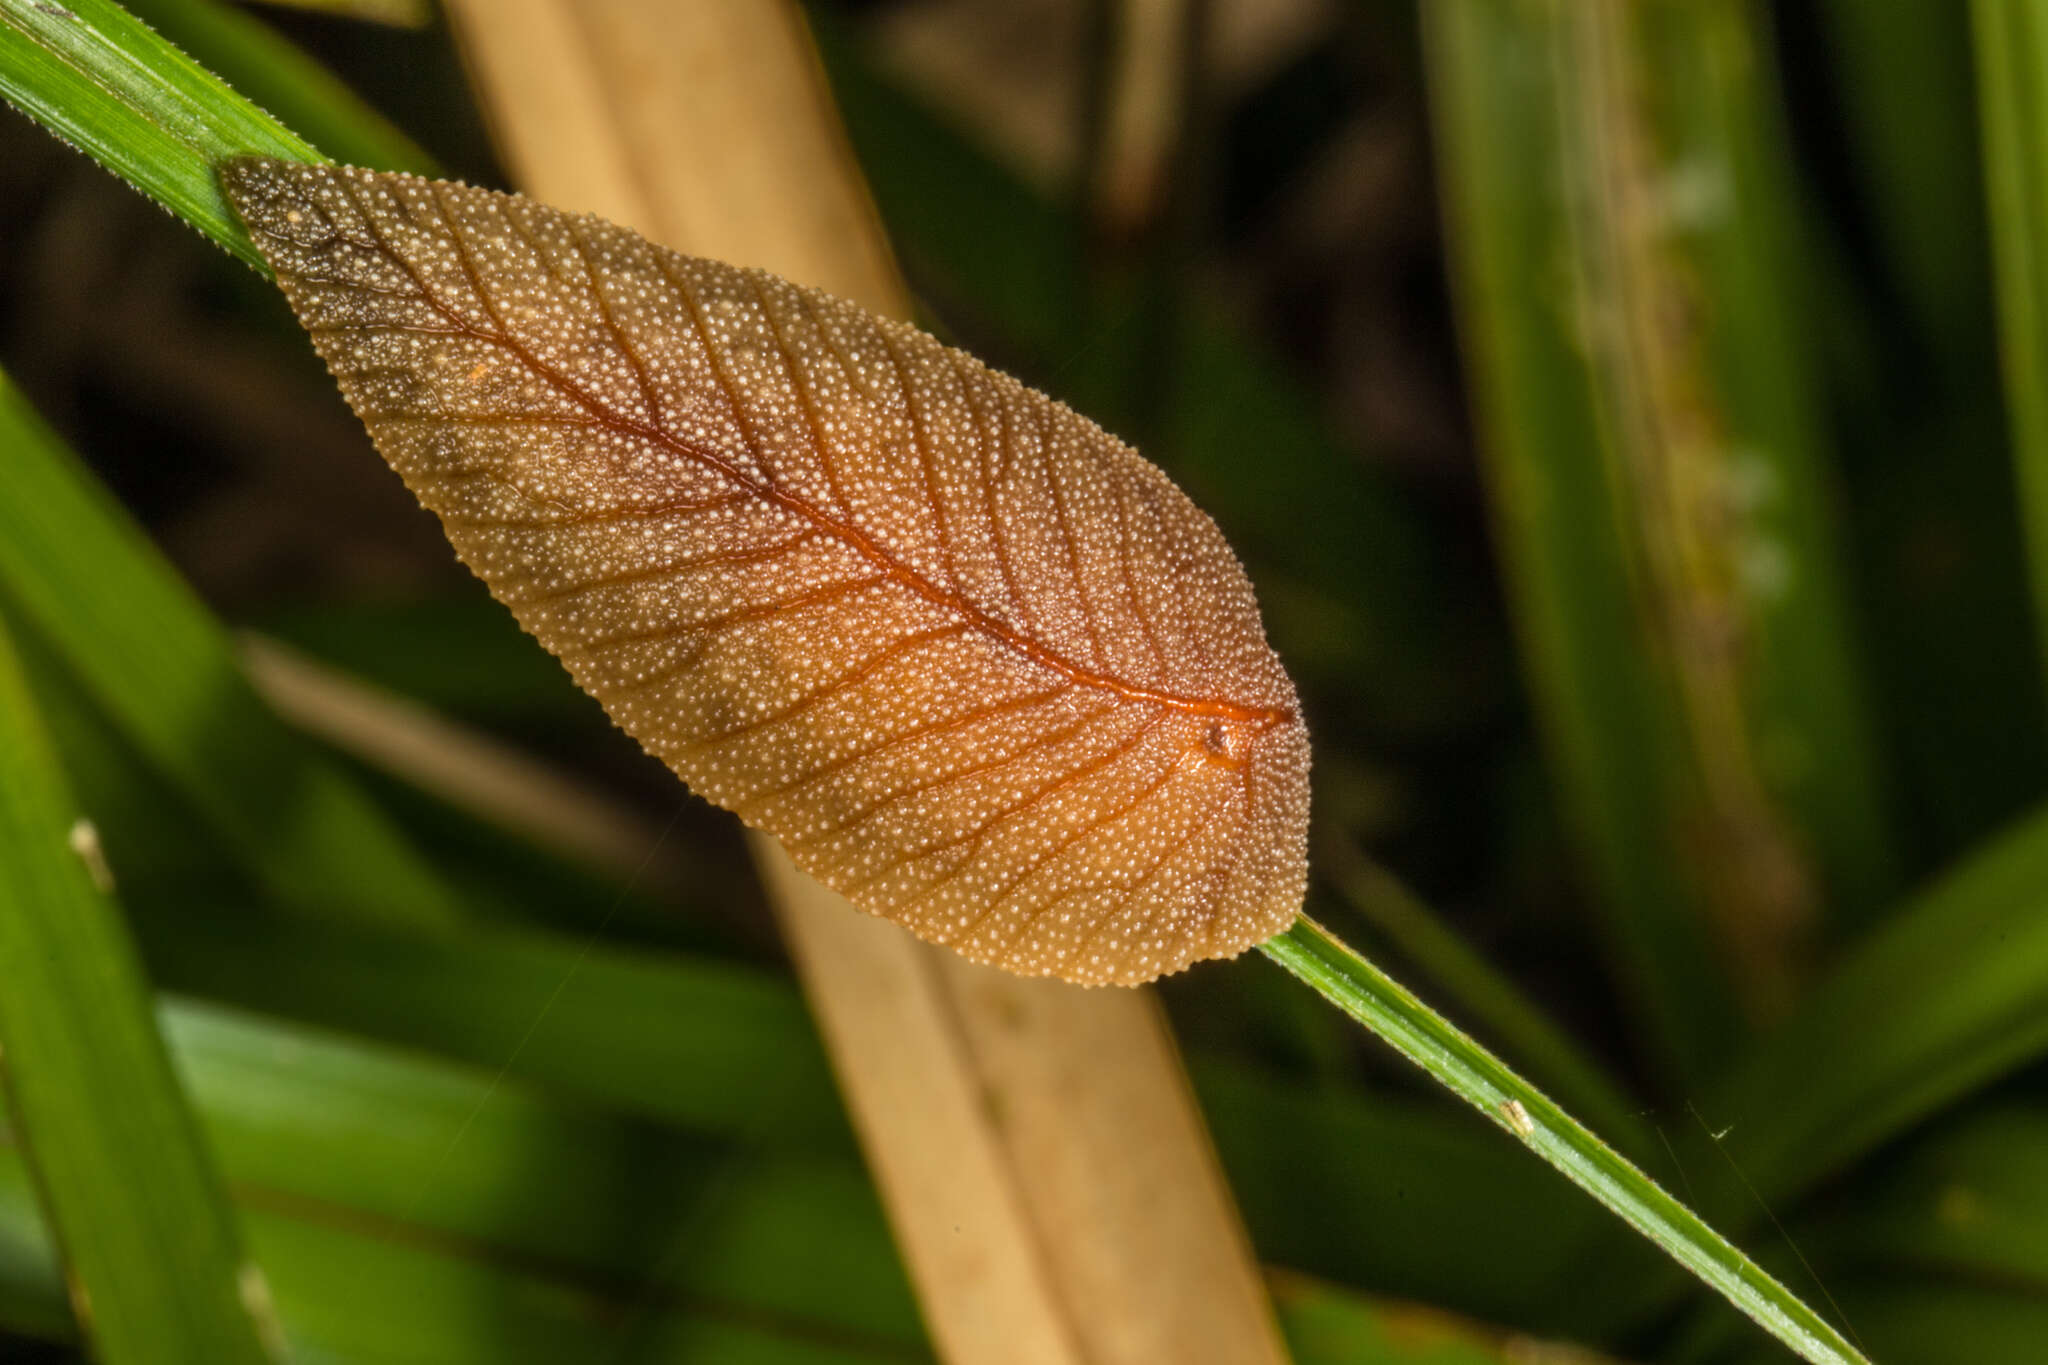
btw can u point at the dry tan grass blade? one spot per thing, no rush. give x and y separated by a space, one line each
976 664
989 1171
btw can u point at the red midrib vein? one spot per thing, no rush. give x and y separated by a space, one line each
1265 717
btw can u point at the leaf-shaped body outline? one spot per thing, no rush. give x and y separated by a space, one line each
976 663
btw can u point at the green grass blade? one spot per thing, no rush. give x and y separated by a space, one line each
1481 1080
681 1036
697 1043
2012 65
1324 1324
1911 352
151 1248
1917 179
1483 993
99 78
1948 996
1966 1199
346 1136
347 1296
70 561
156 661
1657 488
309 1122
727 1052
250 57
341 1156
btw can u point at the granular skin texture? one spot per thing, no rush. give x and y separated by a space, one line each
976 663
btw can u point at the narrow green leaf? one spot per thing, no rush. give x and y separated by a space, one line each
313 1123
154 659
727 1052
1951 994
152 1252
348 1136
1920 182
705 1045
2012 65
1324 1324
348 1295
1481 1080
99 78
463 655
69 558
1617 210
1968 1199
1913 367
250 57
1484 993
360 1166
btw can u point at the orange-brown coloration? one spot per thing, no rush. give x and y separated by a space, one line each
977 664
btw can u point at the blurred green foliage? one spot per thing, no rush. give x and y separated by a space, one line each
1629 415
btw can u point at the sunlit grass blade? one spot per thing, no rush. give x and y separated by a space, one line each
69 558
152 1252
339 1130
2012 65
154 658
693 1042
1657 488
367 1170
436 1304
99 78
1481 1080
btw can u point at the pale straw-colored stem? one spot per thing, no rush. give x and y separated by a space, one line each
1041 1158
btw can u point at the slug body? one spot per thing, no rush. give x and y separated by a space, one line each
977 664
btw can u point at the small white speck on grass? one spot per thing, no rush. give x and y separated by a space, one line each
262 1309
85 842
1516 1117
